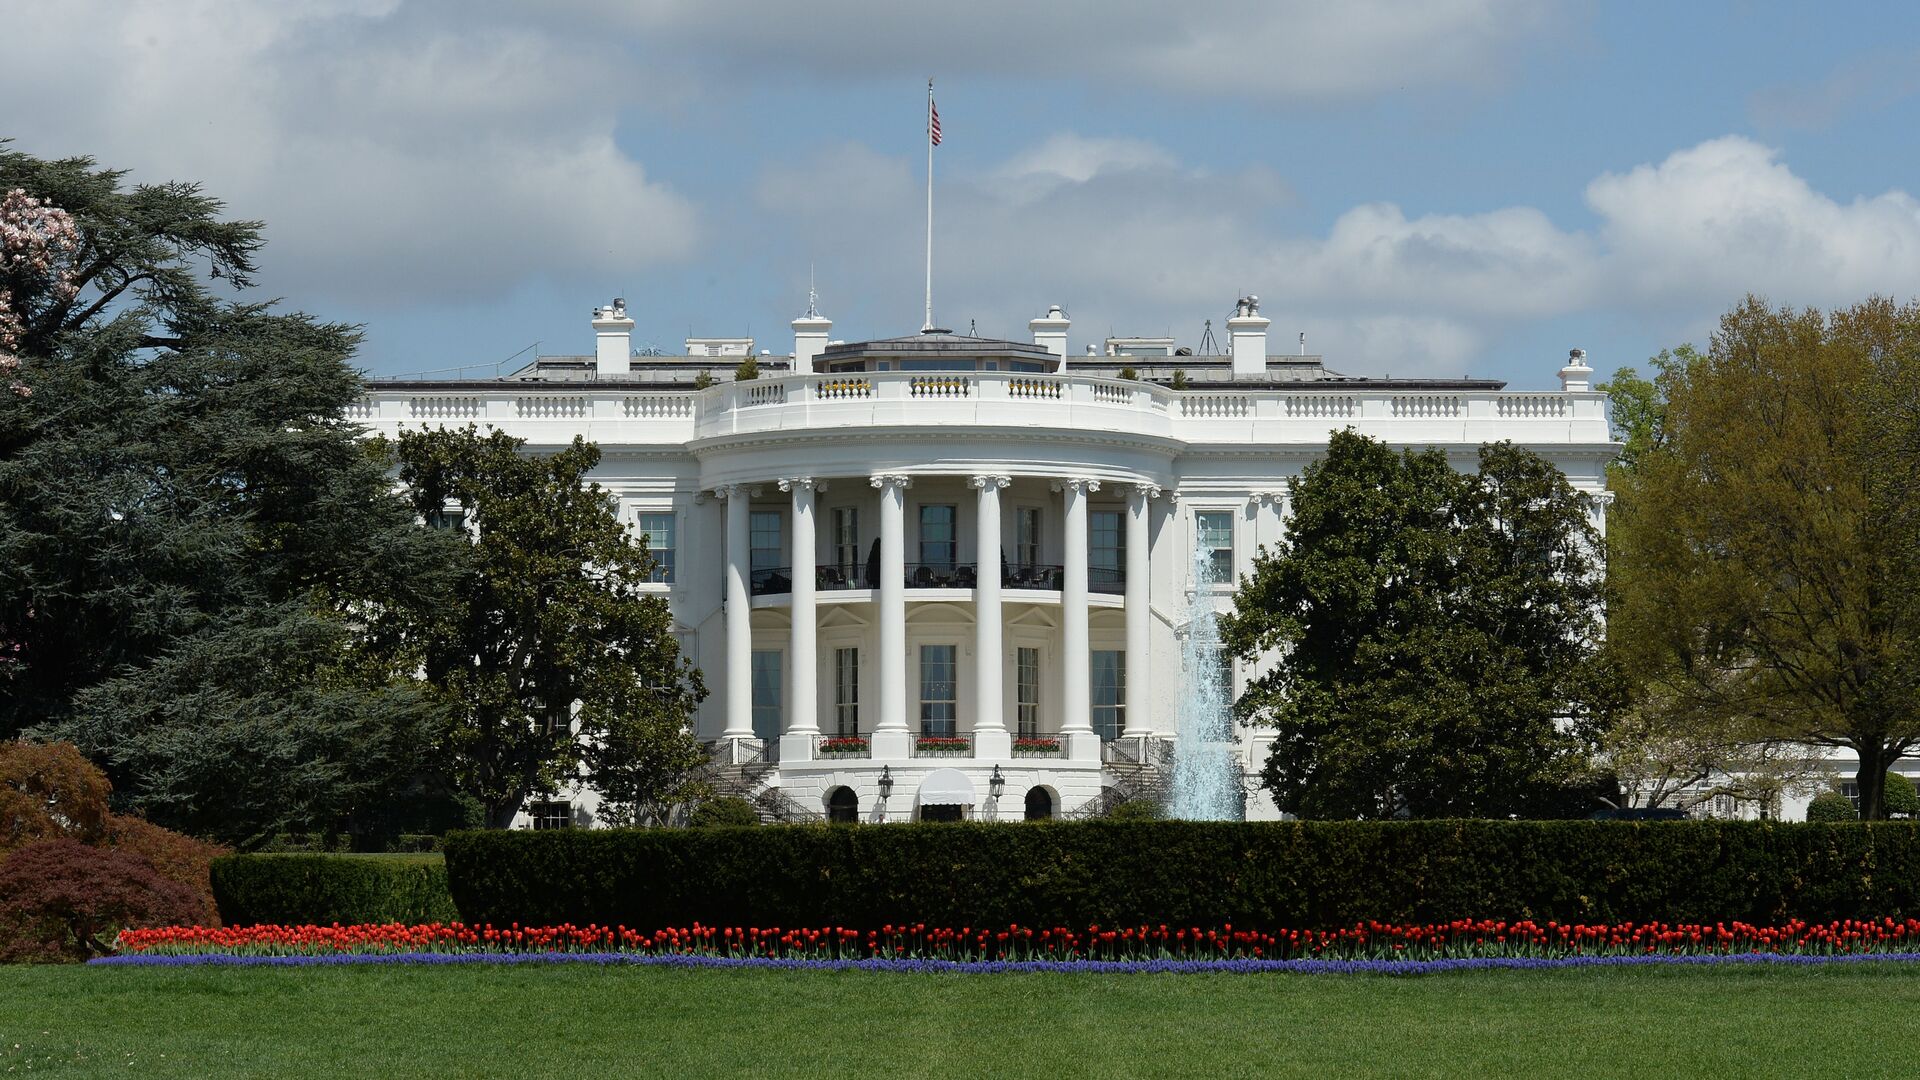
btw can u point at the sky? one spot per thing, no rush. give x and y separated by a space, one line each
1433 188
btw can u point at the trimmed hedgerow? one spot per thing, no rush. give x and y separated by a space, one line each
295 889
1110 873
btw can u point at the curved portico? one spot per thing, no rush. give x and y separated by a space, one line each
916 582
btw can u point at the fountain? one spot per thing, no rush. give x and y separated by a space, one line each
1206 769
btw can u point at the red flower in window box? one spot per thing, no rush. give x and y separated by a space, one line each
1034 744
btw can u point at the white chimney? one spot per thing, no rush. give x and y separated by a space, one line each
1248 330
613 339
1050 330
810 332
1576 376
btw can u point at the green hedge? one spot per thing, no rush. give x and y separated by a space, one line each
323 889
1188 873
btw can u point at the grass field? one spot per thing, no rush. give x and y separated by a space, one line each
1852 1020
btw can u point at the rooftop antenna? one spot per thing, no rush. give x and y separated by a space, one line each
1303 343
973 328
1208 346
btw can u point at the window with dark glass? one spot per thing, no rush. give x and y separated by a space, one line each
767 691
1026 693
846 691
938 547
658 529
1106 548
1026 544
551 814
452 517
939 686
846 542
766 546
1109 692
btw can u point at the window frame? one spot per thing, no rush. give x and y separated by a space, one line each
1109 718
951 543
774 705
1026 723
1221 558
846 690
755 520
664 556
933 726
1029 551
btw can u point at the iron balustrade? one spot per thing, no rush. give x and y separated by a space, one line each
953 575
770 580
842 746
1033 577
1106 579
778 580
956 745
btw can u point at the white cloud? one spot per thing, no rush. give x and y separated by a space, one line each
396 155
1137 243
1726 217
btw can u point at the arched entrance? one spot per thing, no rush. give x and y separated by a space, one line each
843 806
1039 804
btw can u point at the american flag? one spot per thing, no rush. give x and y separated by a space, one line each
933 121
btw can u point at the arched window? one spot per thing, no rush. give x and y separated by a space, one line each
843 805
1039 804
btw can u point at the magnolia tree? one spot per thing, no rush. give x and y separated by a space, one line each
37 242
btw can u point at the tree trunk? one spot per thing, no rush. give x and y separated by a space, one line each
500 815
1872 779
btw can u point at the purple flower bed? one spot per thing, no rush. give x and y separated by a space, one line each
1246 966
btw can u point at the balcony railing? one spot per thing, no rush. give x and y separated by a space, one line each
778 580
836 747
1037 576
1039 746
952 575
770 580
943 746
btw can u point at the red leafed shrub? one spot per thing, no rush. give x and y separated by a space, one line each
63 900
49 790
175 855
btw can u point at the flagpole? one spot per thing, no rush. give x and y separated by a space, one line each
929 321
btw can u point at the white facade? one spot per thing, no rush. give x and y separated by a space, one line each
895 474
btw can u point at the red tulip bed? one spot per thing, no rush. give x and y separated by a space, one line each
1377 947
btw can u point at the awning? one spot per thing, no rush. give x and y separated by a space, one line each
946 787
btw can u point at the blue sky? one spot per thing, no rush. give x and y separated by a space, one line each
1451 187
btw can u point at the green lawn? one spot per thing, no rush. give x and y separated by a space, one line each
591 1022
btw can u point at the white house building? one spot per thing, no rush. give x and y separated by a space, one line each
940 575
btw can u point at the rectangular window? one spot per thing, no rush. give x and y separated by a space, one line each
846 691
1213 534
766 547
938 548
658 529
1026 544
452 517
846 542
551 814
939 690
1109 693
767 690
1106 550
1026 694
1226 675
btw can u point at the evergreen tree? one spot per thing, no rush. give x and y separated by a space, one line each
195 540
1434 633
554 662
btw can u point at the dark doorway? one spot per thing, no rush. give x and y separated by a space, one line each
843 806
1039 805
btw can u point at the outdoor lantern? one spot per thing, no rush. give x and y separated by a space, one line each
996 783
886 780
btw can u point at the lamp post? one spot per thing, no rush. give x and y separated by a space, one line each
996 783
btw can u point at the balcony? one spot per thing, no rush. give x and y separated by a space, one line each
831 577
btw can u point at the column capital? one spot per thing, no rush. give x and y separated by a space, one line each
802 483
985 480
1267 498
887 480
1145 491
730 491
1078 484
1604 498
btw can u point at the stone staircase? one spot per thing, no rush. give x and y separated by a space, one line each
1137 768
740 767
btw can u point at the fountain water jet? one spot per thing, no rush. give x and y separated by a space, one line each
1206 768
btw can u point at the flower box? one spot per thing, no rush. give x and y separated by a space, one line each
933 745
1033 746
845 746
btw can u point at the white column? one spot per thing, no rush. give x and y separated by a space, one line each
1076 692
990 736
803 664
890 733
1139 610
739 616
